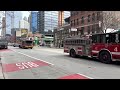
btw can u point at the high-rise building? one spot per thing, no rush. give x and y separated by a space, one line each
24 25
25 18
34 21
12 20
48 20
3 26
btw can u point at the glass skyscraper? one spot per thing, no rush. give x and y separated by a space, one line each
48 20
34 21
17 17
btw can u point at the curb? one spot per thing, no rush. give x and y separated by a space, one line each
47 47
1 71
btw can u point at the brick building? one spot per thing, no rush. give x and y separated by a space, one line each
86 22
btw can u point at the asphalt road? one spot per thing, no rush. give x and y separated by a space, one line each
51 63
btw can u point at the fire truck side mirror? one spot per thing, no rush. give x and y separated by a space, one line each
107 41
117 39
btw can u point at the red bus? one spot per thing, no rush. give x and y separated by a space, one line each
105 47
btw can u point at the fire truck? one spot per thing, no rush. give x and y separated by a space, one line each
104 47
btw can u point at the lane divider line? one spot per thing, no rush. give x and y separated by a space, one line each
33 57
85 76
49 63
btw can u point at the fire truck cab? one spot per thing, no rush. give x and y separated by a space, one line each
105 47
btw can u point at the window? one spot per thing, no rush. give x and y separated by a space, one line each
98 15
71 42
112 38
72 13
103 38
88 18
93 29
93 17
71 23
76 12
77 41
77 22
77 31
74 22
88 29
82 20
97 28
82 30
94 39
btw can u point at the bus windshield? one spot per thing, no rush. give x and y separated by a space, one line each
28 42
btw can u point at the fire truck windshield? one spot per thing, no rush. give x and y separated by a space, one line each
106 38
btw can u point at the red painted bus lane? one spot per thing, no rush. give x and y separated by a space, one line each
23 65
4 50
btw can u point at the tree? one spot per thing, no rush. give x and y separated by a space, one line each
110 20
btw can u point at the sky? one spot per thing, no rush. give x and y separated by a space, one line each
25 13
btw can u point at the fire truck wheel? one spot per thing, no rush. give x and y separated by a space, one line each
72 53
105 57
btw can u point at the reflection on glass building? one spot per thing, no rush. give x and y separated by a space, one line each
48 20
17 17
34 21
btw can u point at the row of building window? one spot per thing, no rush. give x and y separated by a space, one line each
73 13
80 31
92 17
93 29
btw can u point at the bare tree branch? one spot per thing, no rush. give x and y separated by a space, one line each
111 19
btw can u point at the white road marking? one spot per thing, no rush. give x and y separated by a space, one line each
50 63
24 65
85 76
61 52
33 57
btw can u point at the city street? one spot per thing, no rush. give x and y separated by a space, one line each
52 63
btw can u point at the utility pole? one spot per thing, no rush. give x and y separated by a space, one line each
12 20
5 25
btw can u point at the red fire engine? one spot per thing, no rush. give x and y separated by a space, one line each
105 47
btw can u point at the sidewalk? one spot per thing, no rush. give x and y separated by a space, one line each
1 72
48 47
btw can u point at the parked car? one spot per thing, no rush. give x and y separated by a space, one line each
15 45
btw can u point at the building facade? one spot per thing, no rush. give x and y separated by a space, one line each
86 22
60 33
40 22
13 34
24 25
48 20
34 22
3 32
12 20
